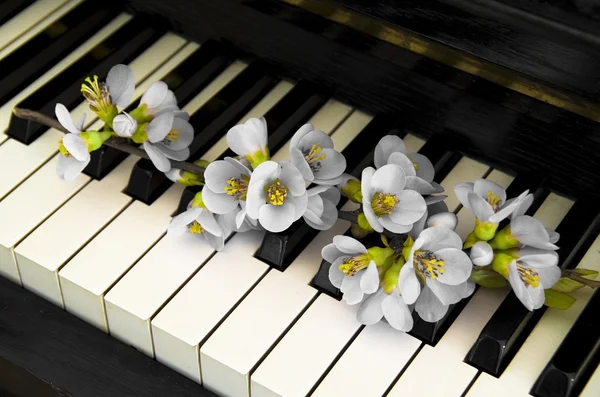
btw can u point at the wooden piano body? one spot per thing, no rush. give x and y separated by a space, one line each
513 86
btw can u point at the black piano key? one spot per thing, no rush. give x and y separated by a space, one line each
512 323
575 359
121 47
436 149
283 119
186 80
10 8
218 114
280 249
51 45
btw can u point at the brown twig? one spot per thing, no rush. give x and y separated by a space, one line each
573 276
114 142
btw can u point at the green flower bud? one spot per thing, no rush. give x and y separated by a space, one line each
352 190
470 240
558 300
140 115
504 240
197 202
501 261
95 139
485 231
258 157
362 228
380 254
488 278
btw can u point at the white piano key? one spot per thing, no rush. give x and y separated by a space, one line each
180 327
18 161
529 362
372 352
89 275
43 193
294 363
26 24
6 109
129 316
47 248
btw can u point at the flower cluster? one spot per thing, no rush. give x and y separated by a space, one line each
422 265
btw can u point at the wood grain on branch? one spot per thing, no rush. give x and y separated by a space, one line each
114 142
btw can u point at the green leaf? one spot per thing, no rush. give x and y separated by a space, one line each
488 278
565 284
586 273
558 300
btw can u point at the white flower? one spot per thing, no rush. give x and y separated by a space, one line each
449 220
391 150
481 254
389 306
229 221
168 138
249 138
385 202
226 187
321 212
276 195
487 200
352 270
436 260
533 271
158 99
529 231
124 125
72 147
311 151
198 222
117 91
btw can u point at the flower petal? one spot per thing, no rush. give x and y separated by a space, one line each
429 307
532 232
218 173
409 209
249 137
218 203
77 146
255 199
369 279
302 131
447 294
386 146
315 137
178 224
425 168
238 165
396 312
155 94
449 220
329 217
298 203
216 242
291 177
401 160
549 276
276 218
209 223
462 191
297 158
392 226
349 245
437 238
159 127
418 185
370 311
389 179
481 254
266 171
160 161
185 137
526 294
351 289
330 253
124 125
69 168
480 207
332 166
457 266
179 155
409 284
482 187
64 118
538 258
336 276
120 82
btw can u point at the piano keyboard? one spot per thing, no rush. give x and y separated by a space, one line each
228 320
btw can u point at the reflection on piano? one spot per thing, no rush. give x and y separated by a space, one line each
514 86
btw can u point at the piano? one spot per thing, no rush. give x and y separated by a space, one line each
92 302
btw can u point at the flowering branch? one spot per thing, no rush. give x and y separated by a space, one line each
114 142
573 276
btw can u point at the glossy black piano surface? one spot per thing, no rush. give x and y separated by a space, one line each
513 84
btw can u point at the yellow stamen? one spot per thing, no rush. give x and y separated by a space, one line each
314 156
383 203
195 228
62 149
494 201
528 275
354 264
238 187
96 94
414 164
173 136
276 193
428 264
